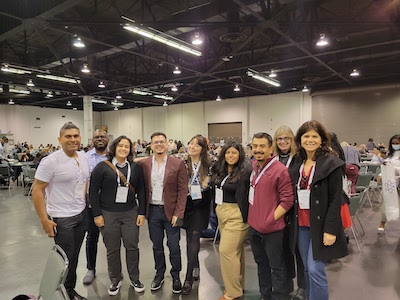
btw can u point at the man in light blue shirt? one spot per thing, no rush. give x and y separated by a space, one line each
96 155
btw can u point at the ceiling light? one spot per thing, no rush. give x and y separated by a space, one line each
305 89
19 91
323 41
237 88
30 83
78 43
165 97
174 88
256 75
354 73
101 84
116 103
118 97
50 95
115 108
218 98
11 101
8 69
60 78
272 74
165 103
140 92
197 40
161 37
85 69
101 101
74 108
69 103
176 71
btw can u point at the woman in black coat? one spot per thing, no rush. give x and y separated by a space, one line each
317 177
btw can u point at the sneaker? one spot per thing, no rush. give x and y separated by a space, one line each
196 274
176 286
114 288
156 284
89 277
138 286
73 295
187 287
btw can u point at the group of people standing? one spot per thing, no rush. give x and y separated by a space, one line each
287 201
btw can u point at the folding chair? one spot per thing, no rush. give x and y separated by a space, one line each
60 294
54 274
29 178
5 174
362 186
354 207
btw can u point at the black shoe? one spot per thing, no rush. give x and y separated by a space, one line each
187 287
176 286
299 294
196 274
73 295
157 283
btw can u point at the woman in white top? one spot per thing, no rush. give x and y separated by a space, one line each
393 158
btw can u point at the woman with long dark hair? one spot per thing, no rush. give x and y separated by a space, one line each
197 211
317 177
114 186
231 177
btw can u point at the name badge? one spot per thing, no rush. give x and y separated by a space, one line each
80 190
304 198
251 195
195 192
122 194
219 195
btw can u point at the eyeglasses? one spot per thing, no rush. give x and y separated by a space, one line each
286 139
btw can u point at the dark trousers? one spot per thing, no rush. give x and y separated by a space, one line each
70 234
268 254
158 223
121 226
293 266
92 239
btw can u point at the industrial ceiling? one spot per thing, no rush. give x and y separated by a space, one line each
279 36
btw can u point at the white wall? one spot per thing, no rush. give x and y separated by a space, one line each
21 121
180 121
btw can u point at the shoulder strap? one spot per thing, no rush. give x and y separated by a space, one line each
122 176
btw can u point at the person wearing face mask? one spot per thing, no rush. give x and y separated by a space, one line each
115 184
393 158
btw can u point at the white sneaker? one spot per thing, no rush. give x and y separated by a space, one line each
114 288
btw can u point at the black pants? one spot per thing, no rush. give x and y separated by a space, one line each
70 234
92 239
268 254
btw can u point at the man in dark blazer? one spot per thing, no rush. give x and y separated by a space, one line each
166 182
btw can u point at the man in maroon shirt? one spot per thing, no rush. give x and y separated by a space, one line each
270 197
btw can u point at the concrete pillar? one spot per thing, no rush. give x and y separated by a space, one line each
87 132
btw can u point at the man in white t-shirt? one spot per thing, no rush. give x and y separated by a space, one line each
63 177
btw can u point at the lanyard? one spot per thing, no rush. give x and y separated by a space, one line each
310 177
262 172
128 177
223 181
289 161
195 171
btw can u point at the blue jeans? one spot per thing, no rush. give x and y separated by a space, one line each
92 239
314 270
158 223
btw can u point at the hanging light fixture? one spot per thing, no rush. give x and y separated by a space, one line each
165 103
117 103
116 108
272 74
354 73
258 76
197 41
30 83
323 41
69 103
305 89
174 88
118 97
85 69
6 68
78 43
50 94
218 98
237 88
11 101
74 108
176 71
101 85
